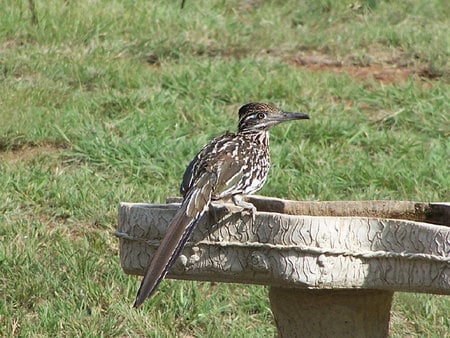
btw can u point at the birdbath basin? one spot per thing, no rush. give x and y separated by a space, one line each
332 267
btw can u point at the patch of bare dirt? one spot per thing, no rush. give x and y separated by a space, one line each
385 70
28 152
62 224
10 44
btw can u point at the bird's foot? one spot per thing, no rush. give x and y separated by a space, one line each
247 207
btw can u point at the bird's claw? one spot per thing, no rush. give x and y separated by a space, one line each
247 207
251 211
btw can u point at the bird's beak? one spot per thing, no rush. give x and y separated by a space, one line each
288 116
295 116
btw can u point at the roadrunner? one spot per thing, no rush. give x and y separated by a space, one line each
230 166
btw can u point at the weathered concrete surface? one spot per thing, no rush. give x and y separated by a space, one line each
331 313
435 213
295 251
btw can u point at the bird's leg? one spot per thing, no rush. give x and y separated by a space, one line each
250 208
219 209
212 214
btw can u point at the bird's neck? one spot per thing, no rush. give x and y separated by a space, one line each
257 136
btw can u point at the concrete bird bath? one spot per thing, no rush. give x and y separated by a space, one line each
332 267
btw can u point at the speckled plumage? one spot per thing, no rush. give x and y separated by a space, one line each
229 166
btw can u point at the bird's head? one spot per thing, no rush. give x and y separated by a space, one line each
262 116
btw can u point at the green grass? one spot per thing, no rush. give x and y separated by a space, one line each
107 101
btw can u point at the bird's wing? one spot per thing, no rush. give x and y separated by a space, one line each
188 176
229 172
208 160
214 173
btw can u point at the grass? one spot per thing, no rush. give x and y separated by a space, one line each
107 101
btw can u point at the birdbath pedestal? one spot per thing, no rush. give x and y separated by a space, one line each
332 267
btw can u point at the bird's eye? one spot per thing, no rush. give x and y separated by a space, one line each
260 116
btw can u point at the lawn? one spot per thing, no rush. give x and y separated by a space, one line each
107 101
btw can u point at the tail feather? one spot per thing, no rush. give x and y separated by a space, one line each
194 205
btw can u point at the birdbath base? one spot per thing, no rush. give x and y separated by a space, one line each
331 313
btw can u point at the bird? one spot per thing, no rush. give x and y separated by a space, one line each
230 166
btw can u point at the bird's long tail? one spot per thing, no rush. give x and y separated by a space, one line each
194 205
